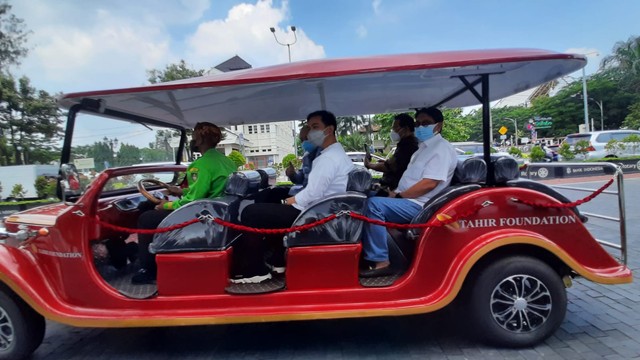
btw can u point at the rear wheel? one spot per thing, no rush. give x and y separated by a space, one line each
21 328
517 301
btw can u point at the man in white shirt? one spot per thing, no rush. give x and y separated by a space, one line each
329 175
430 170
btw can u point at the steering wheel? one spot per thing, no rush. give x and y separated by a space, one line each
151 197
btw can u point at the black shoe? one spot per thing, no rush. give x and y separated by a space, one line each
373 272
144 277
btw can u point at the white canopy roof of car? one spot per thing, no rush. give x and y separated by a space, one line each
351 86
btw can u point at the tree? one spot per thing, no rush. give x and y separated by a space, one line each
289 158
18 191
30 120
625 56
45 187
352 142
632 120
565 152
537 154
128 155
237 158
13 36
455 128
173 72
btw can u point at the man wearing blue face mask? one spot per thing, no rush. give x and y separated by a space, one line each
329 175
430 170
311 151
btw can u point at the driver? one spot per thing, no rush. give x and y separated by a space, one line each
206 176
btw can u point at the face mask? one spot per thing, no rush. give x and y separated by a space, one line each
308 146
395 137
424 133
316 137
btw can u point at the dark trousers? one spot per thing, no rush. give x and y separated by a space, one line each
273 195
249 251
149 219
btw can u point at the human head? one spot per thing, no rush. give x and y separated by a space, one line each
403 125
206 135
304 131
430 116
322 125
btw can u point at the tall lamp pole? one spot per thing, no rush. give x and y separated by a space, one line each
601 112
585 97
288 45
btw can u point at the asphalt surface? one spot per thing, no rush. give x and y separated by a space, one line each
602 322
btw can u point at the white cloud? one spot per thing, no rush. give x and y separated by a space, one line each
245 32
376 6
361 31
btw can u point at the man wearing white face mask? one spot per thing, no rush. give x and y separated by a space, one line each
430 170
402 132
329 175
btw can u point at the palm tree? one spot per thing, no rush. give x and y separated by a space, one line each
625 56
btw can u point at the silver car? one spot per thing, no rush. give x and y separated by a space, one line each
598 140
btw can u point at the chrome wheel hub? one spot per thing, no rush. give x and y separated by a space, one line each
520 303
6 330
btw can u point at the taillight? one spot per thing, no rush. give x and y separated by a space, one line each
591 148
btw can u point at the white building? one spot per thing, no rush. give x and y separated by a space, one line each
263 144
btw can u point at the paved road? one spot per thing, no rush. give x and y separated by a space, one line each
603 322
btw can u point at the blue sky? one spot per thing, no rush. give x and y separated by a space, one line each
84 45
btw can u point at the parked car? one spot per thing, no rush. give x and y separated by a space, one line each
598 140
357 157
469 149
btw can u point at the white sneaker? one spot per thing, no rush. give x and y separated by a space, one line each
276 269
251 280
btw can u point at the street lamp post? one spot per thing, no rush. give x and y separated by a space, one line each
585 97
288 45
600 105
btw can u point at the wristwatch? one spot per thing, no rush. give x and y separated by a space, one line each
284 202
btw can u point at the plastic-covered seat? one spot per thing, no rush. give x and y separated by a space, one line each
207 235
505 169
343 230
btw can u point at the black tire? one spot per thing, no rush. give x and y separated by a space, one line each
21 328
511 320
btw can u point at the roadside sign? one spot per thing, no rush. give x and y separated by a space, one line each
503 137
84 163
503 130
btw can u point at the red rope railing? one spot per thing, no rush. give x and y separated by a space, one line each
571 204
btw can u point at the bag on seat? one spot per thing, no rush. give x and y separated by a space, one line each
343 230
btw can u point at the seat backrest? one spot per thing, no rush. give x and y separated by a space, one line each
268 176
359 180
243 183
470 171
201 236
343 230
505 169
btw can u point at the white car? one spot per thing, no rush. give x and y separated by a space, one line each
470 149
598 140
357 157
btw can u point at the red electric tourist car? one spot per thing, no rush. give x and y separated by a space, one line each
505 247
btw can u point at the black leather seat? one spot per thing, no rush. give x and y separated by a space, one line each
467 178
343 230
206 235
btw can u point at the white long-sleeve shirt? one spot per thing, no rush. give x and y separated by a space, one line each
329 175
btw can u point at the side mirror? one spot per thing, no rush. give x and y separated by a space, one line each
68 182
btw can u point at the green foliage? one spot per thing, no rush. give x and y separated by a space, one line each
515 151
580 147
290 158
565 152
41 184
614 146
237 158
128 155
632 120
633 142
173 72
537 154
353 142
30 120
25 202
13 38
18 191
455 128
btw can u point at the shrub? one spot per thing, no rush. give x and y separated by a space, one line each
45 187
537 154
18 191
565 152
237 158
515 151
581 147
633 141
614 146
289 158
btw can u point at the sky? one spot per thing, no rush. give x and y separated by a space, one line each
82 45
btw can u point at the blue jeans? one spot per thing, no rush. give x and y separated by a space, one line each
394 210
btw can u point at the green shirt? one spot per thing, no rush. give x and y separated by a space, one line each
207 177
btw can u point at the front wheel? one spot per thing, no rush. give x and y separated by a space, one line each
517 301
21 328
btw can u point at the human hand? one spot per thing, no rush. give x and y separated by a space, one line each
174 190
290 170
392 194
160 206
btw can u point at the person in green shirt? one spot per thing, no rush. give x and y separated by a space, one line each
206 177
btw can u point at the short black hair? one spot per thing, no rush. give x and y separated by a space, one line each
327 118
435 114
406 121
